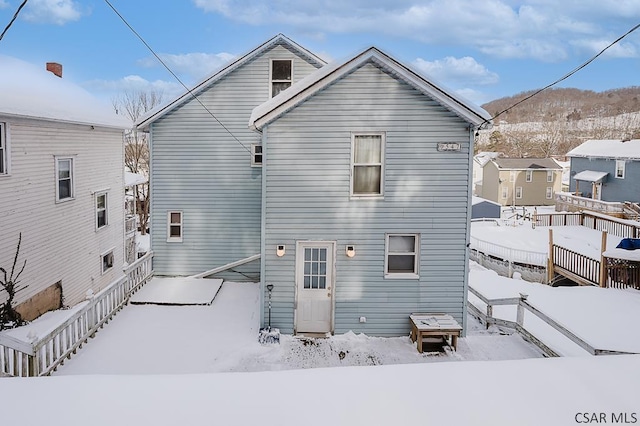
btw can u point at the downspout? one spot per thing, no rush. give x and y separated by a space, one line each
467 237
263 222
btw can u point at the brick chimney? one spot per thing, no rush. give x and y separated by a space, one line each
55 68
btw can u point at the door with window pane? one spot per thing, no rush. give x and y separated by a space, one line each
314 282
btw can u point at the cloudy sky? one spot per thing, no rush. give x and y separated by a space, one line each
482 49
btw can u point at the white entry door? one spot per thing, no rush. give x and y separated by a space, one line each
314 287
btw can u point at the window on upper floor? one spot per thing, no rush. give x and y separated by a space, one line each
102 212
256 155
549 175
402 255
174 227
64 179
4 150
367 165
620 166
281 75
529 176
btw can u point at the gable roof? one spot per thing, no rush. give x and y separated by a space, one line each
33 92
280 39
482 158
324 77
608 148
526 163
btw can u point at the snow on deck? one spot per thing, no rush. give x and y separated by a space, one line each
605 318
177 291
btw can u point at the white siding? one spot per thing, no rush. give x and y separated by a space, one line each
203 171
59 240
307 174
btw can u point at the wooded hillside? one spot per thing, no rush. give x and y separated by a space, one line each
557 120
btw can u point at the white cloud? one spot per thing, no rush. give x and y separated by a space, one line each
542 29
52 11
456 71
134 83
3 4
195 65
620 50
473 95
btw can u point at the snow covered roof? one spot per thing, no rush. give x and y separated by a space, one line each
280 39
482 158
608 148
34 92
324 77
527 163
590 176
132 179
477 200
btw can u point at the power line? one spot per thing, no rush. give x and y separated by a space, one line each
15 15
175 76
569 74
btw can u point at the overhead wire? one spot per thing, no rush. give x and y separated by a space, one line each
15 16
564 77
193 95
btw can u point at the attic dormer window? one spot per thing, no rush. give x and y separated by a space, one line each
280 75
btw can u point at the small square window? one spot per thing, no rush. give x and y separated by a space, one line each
107 261
102 215
401 260
174 227
549 175
256 155
281 75
620 166
529 175
64 179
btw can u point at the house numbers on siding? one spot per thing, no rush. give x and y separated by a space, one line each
448 146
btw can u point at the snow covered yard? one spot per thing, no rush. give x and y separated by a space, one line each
150 339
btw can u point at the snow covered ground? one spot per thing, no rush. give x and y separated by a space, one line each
156 364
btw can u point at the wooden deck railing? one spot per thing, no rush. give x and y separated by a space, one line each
570 202
44 355
622 273
618 227
509 254
577 264
518 325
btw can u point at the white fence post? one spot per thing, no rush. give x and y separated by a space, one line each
520 314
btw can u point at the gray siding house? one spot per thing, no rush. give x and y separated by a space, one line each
205 183
365 198
607 170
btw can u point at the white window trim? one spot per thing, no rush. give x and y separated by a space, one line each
57 159
549 176
549 193
529 176
623 168
416 254
102 256
271 80
181 224
383 143
106 208
518 192
505 192
5 146
254 163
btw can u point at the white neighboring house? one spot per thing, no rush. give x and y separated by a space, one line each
61 186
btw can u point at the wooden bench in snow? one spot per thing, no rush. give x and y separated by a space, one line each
434 325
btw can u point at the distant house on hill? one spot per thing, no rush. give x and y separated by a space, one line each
61 186
521 181
607 170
